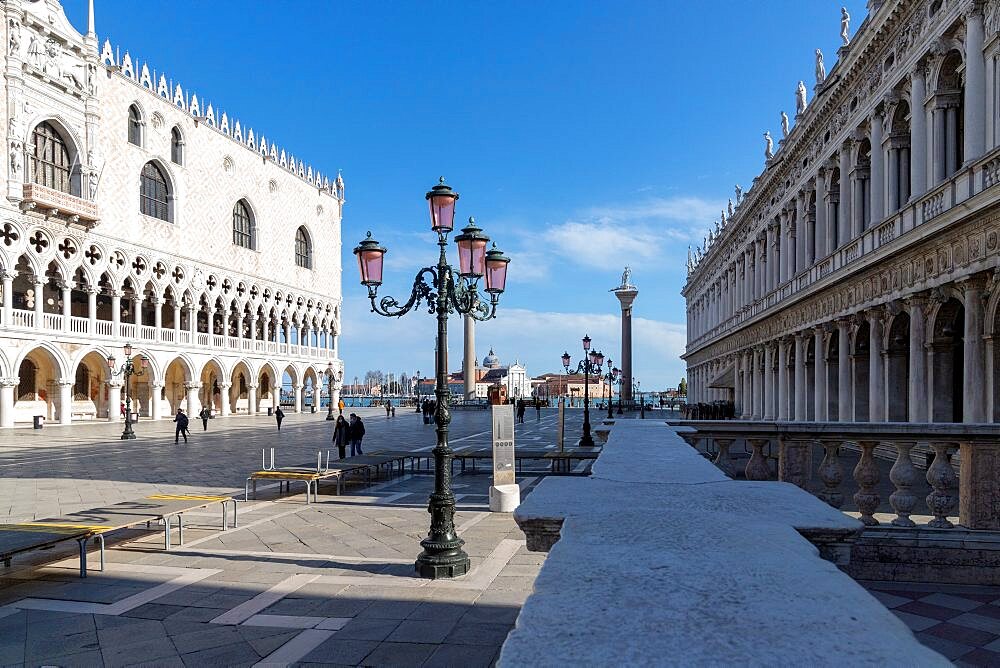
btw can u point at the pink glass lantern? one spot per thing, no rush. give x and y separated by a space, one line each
128 350
566 360
586 342
471 250
496 270
370 254
441 200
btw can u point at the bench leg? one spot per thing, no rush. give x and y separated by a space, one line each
100 542
235 521
180 529
166 534
82 542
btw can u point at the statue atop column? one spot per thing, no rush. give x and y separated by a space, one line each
784 125
845 26
627 276
768 145
800 99
820 68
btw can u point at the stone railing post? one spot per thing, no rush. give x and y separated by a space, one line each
757 468
866 475
795 461
832 474
903 475
723 459
978 491
943 481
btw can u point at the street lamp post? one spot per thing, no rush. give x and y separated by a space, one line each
417 391
611 376
590 364
128 369
332 376
642 403
442 554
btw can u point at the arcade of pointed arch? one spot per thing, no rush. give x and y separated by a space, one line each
89 265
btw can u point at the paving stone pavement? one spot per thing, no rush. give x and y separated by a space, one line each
329 583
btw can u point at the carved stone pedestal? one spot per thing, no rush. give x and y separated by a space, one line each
978 494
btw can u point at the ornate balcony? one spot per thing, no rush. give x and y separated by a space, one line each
53 202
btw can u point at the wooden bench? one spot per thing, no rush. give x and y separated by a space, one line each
93 523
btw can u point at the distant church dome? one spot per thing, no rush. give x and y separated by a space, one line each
491 361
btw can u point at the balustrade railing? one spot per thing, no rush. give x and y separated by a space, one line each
894 474
147 333
78 325
128 331
52 321
21 318
167 335
104 328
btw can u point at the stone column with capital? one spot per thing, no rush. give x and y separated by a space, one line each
8 297
768 382
801 393
192 399
65 401
758 385
7 386
626 295
298 398
252 399
822 250
877 173
91 310
114 400
973 400
67 304
225 407
917 372
844 218
975 85
918 132
820 375
157 316
156 393
876 368
782 379
845 410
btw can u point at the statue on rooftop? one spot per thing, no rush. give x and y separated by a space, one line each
800 99
820 68
845 26
731 208
768 146
739 194
784 125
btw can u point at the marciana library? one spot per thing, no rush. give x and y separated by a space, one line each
138 211
856 280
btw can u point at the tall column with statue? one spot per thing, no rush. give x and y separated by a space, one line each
626 293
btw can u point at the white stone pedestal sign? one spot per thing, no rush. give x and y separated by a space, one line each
505 494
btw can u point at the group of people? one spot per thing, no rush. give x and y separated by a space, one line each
428 407
390 410
522 406
183 423
350 431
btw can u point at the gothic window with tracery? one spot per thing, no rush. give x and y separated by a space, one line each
243 233
303 249
154 192
50 164
134 126
176 146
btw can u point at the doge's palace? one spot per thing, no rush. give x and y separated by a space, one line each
857 279
136 211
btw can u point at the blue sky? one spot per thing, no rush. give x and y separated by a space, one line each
582 136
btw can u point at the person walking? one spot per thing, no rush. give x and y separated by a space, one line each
279 415
205 414
355 433
520 411
388 408
340 406
340 437
538 410
182 426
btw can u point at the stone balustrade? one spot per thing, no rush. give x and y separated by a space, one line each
657 548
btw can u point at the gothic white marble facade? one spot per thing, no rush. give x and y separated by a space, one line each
136 212
856 280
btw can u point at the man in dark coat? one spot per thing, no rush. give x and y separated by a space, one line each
279 415
355 433
205 414
182 425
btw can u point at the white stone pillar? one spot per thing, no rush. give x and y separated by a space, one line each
39 302
114 401
747 385
65 401
975 86
67 305
91 310
782 379
298 398
7 386
844 222
877 174
137 313
845 409
225 405
951 129
193 403
801 394
157 317
918 132
177 322
895 165
192 323
156 395
822 249
917 372
820 375
810 231
116 314
975 359
8 298
251 399
876 368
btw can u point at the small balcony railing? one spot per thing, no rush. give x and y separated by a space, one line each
51 201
